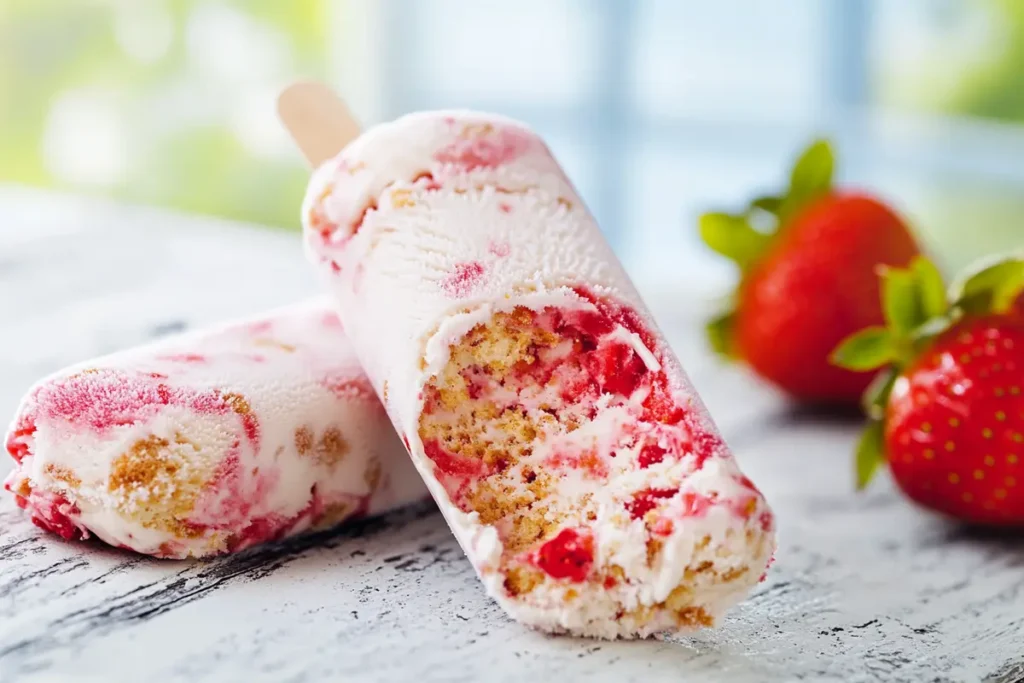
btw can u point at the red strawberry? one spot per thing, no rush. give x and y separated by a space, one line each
807 280
569 555
617 368
947 413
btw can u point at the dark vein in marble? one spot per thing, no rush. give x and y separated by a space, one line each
65 566
1012 672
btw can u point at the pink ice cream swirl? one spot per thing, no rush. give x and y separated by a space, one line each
210 443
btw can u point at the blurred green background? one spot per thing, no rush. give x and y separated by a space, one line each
977 71
170 102
157 102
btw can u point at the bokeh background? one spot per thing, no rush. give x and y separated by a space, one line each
659 109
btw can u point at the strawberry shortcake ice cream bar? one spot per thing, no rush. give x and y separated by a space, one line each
547 414
210 442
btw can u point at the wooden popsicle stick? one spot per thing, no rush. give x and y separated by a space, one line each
318 120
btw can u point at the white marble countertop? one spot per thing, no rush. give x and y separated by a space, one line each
865 587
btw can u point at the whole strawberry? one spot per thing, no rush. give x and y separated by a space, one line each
807 265
947 412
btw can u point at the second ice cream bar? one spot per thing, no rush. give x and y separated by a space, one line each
210 442
552 423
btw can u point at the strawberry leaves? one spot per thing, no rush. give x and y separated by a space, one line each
992 287
931 290
901 300
720 334
733 237
870 453
811 177
869 349
768 204
745 237
877 394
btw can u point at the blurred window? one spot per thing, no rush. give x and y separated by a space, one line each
658 109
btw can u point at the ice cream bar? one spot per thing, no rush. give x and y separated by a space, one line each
548 416
210 442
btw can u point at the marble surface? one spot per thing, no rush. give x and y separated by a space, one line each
865 587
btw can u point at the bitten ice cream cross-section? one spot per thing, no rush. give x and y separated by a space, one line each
547 414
